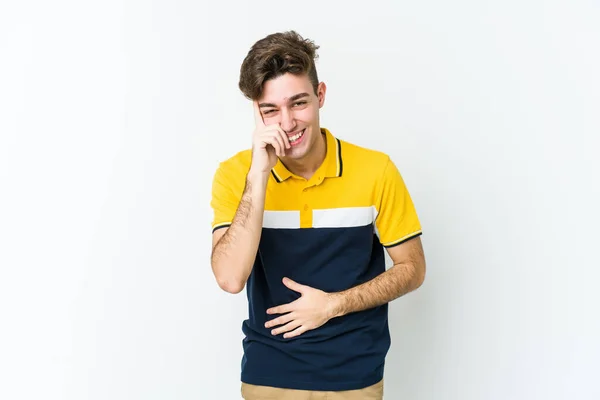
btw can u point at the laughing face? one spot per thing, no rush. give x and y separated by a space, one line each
290 101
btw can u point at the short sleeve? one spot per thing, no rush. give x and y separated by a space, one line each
397 219
224 202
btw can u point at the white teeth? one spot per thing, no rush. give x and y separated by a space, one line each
296 136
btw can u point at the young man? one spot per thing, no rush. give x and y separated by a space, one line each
302 220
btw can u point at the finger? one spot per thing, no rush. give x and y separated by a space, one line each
279 320
275 143
269 139
258 119
280 133
296 332
285 137
295 286
282 309
286 328
275 135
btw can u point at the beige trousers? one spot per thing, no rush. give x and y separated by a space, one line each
254 392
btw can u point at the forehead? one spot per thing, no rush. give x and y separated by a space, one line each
279 89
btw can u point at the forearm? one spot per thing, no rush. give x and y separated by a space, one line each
397 281
234 254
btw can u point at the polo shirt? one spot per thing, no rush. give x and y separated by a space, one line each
328 232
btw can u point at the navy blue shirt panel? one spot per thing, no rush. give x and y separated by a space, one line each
347 352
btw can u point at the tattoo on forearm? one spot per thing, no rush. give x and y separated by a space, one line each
240 220
244 210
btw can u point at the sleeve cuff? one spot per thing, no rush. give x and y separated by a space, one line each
403 239
221 225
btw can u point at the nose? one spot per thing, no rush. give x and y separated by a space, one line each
287 122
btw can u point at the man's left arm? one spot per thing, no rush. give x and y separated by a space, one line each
315 307
405 276
399 232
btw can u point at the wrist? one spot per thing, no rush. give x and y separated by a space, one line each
336 304
257 177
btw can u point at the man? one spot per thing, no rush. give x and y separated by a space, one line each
302 220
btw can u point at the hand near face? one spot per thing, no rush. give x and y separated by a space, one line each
313 309
268 143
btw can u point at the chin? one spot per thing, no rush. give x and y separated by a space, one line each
295 154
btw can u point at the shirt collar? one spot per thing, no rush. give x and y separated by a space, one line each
332 166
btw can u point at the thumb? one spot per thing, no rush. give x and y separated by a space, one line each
295 286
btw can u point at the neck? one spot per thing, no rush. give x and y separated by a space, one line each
307 166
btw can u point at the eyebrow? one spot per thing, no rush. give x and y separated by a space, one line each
291 100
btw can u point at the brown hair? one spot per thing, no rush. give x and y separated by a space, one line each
275 55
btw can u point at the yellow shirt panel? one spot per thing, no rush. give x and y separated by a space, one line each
369 188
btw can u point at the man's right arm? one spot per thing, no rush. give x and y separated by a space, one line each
234 248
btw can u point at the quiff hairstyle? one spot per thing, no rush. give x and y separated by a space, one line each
275 55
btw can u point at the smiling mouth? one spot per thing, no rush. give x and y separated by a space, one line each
296 138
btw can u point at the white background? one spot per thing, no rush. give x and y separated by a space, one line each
114 115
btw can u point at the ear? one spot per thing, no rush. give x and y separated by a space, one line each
321 90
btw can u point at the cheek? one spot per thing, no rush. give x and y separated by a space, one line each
306 115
